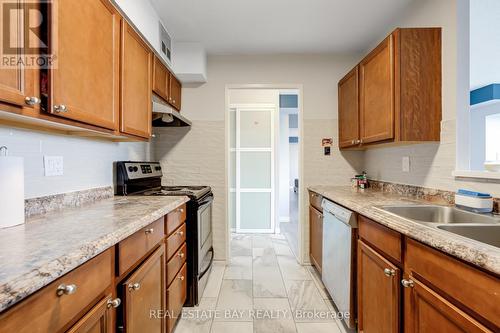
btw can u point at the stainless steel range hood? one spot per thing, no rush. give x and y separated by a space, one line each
166 116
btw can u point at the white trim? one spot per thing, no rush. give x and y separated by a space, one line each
301 215
284 219
233 150
476 174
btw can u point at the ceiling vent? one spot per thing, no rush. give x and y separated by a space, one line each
165 44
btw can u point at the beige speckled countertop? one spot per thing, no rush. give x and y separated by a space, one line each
364 202
50 245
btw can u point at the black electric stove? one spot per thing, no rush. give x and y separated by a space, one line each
144 178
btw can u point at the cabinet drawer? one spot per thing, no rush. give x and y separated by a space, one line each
136 246
475 290
384 239
315 200
46 311
175 240
175 263
175 218
176 296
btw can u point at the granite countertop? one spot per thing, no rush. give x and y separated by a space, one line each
50 245
364 202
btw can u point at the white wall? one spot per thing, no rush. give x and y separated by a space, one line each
87 163
198 155
484 42
432 164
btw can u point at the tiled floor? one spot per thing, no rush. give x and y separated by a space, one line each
291 229
262 289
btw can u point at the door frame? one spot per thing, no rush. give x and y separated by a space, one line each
302 192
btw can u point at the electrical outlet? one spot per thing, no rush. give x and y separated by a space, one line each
406 163
54 165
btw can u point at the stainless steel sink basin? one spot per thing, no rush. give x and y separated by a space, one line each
440 214
489 234
484 228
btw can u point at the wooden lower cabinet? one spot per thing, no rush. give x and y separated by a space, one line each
97 320
176 296
316 237
428 312
144 296
378 292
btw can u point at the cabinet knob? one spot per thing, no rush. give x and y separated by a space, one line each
114 303
173 101
180 233
153 135
181 210
407 283
181 278
32 100
181 255
149 231
134 286
389 272
66 289
60 108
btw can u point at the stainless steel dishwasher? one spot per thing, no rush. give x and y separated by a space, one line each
339 250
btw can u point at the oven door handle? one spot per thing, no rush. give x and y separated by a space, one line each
210 265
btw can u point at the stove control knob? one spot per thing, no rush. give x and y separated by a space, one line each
131 169
157 168
136 169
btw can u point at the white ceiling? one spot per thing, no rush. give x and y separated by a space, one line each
279 26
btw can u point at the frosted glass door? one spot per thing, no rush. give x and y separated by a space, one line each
252 168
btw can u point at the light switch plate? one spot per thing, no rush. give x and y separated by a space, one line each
406 163
54 166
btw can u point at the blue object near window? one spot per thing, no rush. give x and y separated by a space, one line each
289 101
485 94
293 139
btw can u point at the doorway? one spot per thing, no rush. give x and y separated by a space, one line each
263 163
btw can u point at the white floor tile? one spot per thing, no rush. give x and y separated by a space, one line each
235 300
215 280
232 327
330 327
292 270
239 268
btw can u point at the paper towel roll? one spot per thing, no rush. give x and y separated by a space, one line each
11 191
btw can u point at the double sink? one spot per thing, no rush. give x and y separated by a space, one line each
484 228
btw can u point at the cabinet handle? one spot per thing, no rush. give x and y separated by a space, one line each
389 272
153 135
181 210
149 231
32 100
114 303
60 108
407 283
181 255
66 289
180 233
353 142
181 278
134 286
173 101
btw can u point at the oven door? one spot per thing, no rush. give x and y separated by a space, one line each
205 251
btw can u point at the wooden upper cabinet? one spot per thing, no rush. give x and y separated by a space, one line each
399 91
85 83
135 101
143 291
349 109
378 292
18 83
377 93
161 79
175 92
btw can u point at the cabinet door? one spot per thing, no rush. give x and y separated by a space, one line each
161 79
85 83
378 292
175 92
316 237
377 93
144 291
428 312
349 110
97 320
176 296
17 82
135 102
